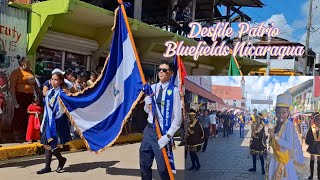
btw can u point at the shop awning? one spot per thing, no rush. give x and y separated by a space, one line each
190 86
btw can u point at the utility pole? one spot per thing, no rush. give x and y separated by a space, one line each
268 55
308 37
269 98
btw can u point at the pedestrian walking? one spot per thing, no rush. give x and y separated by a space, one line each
205 123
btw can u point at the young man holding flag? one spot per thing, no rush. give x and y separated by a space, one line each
167 110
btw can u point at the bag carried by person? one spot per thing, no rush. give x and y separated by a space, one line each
36 121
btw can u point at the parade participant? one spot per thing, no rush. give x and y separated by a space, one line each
226 123
205 123
232 117
257 145
253 116
285 143
313 140
242 124
304 130
194 140
167 98
54 126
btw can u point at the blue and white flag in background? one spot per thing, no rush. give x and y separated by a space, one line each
100 112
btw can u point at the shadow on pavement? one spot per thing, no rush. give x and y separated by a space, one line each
84 167
225 158
136 172
23 164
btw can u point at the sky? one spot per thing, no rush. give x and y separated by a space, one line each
261 87
290 16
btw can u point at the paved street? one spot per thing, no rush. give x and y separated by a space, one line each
116 163
226 158
304 172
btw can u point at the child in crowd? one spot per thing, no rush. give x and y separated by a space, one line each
33 131
93 78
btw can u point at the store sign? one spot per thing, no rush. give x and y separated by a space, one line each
316 86
254 101
13 37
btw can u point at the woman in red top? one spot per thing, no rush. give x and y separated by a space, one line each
33 131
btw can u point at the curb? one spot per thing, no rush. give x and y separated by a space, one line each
16 151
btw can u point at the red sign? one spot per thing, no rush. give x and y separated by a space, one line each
21 1
317 86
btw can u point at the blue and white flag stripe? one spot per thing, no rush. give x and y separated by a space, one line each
99 112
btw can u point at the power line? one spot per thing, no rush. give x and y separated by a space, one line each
279 12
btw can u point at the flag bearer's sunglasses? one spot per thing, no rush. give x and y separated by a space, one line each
163 70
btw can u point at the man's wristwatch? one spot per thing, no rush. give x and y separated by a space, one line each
168 136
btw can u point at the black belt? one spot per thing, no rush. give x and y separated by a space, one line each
150 125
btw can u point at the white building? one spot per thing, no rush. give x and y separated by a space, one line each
289 65
302 96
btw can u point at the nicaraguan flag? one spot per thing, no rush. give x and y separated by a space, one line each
100 112
179 74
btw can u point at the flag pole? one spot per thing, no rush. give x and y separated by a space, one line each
235 60
164 153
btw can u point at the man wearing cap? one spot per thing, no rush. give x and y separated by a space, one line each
285 143
242 123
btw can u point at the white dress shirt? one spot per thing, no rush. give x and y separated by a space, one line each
176 113
212 118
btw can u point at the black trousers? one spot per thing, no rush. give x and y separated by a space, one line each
194 159
225 130
206 137
149 149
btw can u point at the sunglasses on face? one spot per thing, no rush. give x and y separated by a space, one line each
163 70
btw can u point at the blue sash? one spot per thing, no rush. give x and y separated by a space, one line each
167 117
166 124
51 108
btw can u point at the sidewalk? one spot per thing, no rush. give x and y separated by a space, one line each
14 150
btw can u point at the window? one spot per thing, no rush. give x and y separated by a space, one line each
76 62
46 61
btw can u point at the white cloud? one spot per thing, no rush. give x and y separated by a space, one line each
280 21
315 36
260 87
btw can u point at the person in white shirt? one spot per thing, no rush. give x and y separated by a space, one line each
213 123
167 98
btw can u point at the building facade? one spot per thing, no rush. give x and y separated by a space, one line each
302 97
232 96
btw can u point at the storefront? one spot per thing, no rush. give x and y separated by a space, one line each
13 42
198 98
58 50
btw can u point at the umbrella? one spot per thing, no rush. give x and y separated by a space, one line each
237 111
223 109
296 114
